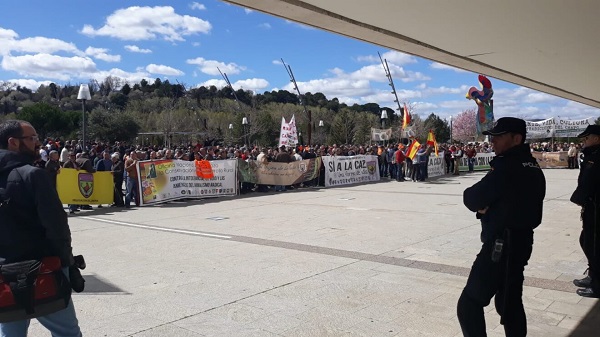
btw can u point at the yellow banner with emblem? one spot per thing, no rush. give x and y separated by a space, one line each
80 187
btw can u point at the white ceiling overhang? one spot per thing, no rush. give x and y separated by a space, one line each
549 45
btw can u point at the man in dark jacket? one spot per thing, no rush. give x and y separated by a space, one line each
508 201
42 223
117 170
587 195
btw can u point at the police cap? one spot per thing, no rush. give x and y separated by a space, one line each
506 125
590 130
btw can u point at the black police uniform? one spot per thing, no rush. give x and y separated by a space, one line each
513 192
587 195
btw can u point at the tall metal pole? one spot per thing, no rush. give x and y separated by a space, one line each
224 75
307 112
386 68
83 131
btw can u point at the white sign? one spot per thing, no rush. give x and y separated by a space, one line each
557 127
350 170
436 166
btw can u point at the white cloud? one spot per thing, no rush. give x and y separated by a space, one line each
49 66
196 44
8 34
391 56
9 42
29 83
102 54
210 66
163 70
253 84
144 23
265 25
441 66
217 83
136 49
198 6
248 10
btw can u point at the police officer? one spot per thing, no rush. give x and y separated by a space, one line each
587 195
508 201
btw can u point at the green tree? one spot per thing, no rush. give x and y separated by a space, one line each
49 120
440 127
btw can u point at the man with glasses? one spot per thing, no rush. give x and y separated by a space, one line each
509 202
587 195
42 228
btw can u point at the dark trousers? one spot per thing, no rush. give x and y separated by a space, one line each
503 279
591 247
571 162
415 172
118 193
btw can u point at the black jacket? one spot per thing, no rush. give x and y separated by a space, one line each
40 226
588 183
513 191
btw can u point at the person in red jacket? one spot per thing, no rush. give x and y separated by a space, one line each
400 158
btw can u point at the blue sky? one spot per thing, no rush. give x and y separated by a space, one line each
44 41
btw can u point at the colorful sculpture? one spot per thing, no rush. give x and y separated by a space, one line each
485 104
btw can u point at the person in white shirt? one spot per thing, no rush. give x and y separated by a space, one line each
64 154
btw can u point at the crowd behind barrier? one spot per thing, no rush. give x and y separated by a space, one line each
158 175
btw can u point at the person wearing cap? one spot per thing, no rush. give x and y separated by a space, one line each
572 155
587 195
509 203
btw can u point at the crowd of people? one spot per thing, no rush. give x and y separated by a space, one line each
120 158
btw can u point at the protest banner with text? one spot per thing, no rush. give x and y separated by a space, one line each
350 170
79 187
273 173
164 180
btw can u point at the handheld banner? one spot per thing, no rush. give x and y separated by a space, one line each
80 187
350 170
273 173
164 180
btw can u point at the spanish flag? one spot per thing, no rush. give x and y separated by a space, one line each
405 118
431 141
412 149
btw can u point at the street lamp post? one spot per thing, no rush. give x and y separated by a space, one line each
245 125
230 131
83 95
450 129
321 125
384 116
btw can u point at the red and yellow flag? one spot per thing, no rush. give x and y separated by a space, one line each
431 141
411 152
405 118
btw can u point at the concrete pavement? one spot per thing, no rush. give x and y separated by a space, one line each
381 259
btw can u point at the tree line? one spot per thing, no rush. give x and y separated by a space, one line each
164 111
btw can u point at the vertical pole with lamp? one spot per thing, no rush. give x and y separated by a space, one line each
83 95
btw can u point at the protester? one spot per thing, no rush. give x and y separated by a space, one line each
117 169
41 227
132 176
587 195
509 202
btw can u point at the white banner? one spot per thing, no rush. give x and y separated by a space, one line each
164 180
288 135
381 134
350 170
541 129
557 127
436 166
571 128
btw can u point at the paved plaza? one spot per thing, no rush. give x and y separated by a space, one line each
380 259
